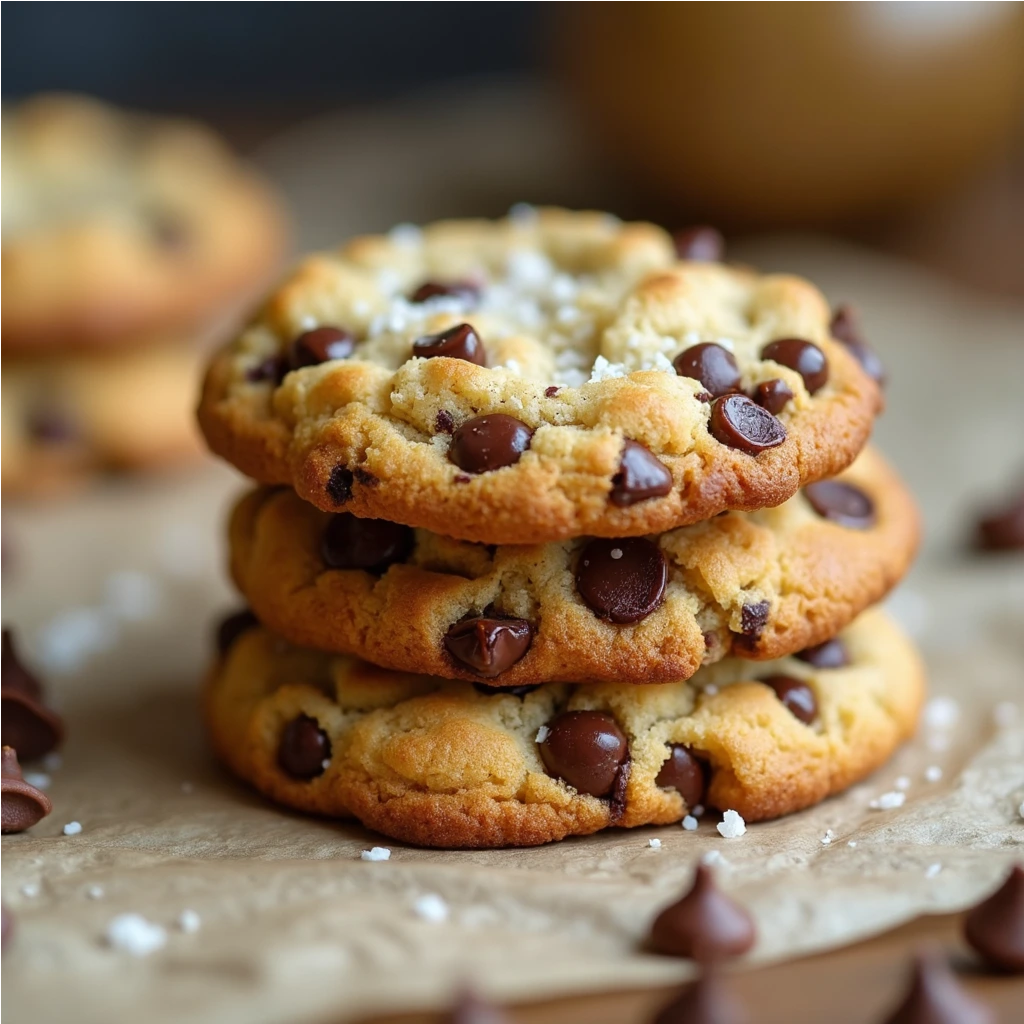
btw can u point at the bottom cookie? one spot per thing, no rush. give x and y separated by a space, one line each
455 764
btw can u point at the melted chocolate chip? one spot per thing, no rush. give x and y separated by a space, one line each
23 804
232 627
803 356
551 391
845 328
319 345
273 368
443 422
831 654
339 485
700 242
485 443
1003 530
841 503
995 927
935 997
303 749
711 364
467 291
488 646
622 580
458 342
29 725
512 691
641 476
704 925
684 773
753 618
738 422
369 544
586 749
796 696
705 1001
772 395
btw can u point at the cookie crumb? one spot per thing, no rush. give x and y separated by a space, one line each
654 844
542 734
933 773
732 825
189 922
690 823
932 870
376 853
132 933
72 828
430 907
888 801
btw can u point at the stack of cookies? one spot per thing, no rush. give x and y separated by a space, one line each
557 529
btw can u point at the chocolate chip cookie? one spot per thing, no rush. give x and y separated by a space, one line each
457 764
632 609
537 379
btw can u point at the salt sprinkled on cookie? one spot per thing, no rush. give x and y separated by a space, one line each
376 853
132 933
431 907
732 825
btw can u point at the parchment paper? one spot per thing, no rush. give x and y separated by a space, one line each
296 928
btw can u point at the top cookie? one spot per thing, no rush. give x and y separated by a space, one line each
118 225
536 379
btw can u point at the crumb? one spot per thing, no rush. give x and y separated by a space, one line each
888 801
827 838
30 889
431 907
903 782
189 922
132 933
932 870
690 823
654 844
542 734
38 779
732 825
72 828
933 773
94 892
376 853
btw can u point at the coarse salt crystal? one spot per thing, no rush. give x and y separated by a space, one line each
189 922
528 268
887 801
732 825
903 782
376 853
827 838
72 828
30 889
690 823
932 870
616 553
654 844
604 370
132 933
431 907
542 734
941 713
933 773
38 779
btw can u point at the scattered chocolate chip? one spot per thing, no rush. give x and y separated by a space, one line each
551 391
684 773
796 696
622 580
232 627
705 1001
6 926
303 749
512 691
841 503
339 485
1003 530
369 544
935 997
490 442
272 368
699 242
29 725
319 345
458 342
738 422
803 356
641 476
845 328
471 1009
704 925
753 618
488 646
52 426
714 366
831 654
443 422
586 749
772 395
467 291
23 804
995 927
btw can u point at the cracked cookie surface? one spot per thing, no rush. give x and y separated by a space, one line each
535 379
453 764
758 584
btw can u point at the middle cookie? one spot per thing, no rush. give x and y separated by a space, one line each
757 585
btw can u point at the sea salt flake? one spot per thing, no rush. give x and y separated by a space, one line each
376 853
732 825
902 782
690 823
542 734
189 922
38 779
431 907
932 870
72 828
941 713
888 801
933 773
132 933
604 370
528 268
654 844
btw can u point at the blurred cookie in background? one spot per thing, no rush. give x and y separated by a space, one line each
128 241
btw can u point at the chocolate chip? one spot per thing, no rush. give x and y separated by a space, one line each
443 422
796 696
684 773
772 395
273 368
935 997
841 503
551 391
370 544
753 618
23 804
845 328
831 654
29 725
995 927
622 580
705 1001
467 291
485 443
586 749
738 422
458 342
1003 530
704 925
319 345
699 242
714 366
641 476
232 627
496 691
51 426
471 1009
488 646
303 749
803 356
339 485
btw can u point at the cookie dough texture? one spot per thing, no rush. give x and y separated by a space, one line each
815 576
581 316
116 225
440 764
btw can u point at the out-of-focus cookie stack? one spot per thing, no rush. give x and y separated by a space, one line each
127 241
577 529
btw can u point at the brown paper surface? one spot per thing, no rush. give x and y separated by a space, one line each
296 928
